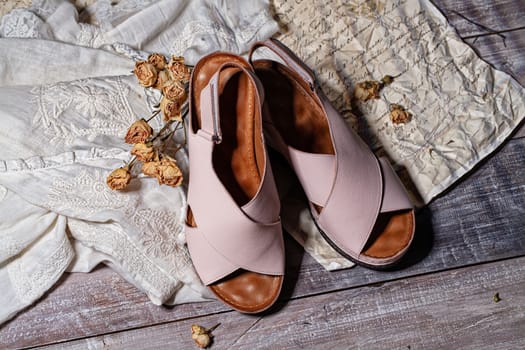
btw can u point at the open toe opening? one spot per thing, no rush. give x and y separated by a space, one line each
391 235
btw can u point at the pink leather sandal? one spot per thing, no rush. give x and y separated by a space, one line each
233 229
356 200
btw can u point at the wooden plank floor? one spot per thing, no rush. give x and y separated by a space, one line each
470 244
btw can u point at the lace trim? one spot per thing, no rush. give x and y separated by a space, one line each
96 195
163 237
117 244
101 102
22 23
90 36
152 246
10 247
30 279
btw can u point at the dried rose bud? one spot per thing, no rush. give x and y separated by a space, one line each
119 179
143 152
146 73
174 90
398 114
158 60
139 131
367 90
169 172
151 168
178 70
201 336
171 110
162 78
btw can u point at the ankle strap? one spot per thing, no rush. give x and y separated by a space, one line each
209 103
289 58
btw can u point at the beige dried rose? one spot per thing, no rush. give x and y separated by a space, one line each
139 131
146 73
162 78
367 90
169 172
144 152
174 90
178 69
151 168
171 110
158 60
201 336
119 179
398 114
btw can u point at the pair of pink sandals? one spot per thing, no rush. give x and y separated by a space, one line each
234 231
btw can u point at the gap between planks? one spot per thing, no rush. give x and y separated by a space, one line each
451 309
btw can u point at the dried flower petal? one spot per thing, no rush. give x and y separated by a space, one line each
367 90
174 90
143 152
119 179
178 70
151 168
201 335
171 110
139 131
158 60
398 114
169 172
162 78
146 73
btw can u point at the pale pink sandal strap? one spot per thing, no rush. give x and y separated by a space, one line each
227 237
288 57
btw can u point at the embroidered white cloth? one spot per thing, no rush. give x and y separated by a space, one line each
67 98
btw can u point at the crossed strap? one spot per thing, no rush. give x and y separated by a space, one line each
352 186
228 237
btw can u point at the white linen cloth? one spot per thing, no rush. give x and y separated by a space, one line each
67 98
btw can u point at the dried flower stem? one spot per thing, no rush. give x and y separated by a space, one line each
131 162
153 115
214 327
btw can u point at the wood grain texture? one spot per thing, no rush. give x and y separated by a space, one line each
480 220
87 304
469 17
447 310
504 53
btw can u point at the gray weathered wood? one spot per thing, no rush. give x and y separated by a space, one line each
480 220
447 310
504 54
501 15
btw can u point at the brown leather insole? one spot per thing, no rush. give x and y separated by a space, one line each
302 124
239 163
296 115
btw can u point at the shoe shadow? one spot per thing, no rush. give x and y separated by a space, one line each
422 243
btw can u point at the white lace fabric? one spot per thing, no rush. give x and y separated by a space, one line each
67 97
